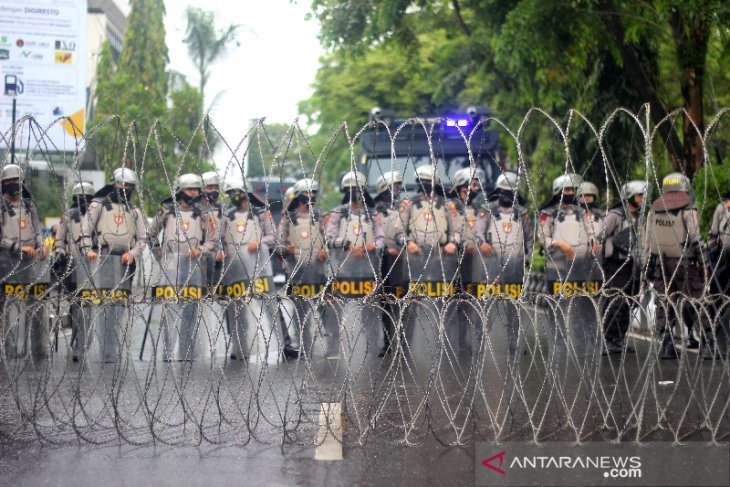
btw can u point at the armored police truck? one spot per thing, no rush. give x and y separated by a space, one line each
391 144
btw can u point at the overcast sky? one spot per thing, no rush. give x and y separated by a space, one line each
271 70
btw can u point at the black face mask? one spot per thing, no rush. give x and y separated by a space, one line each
81 203
212 196
190 200
568 199
506 200
237 199
427 188
13 189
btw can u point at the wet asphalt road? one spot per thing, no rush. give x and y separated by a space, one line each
397 415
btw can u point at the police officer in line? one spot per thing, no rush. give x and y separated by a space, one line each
355 226
588 198
622 264
389 206
302 241
465 189
247 236
676 265
211 201
114 238
427 221
21 241
21 229
566 232
718 243
67 253
181 235
506 237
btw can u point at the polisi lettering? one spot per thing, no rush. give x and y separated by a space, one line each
574 288
257 286
172 292
431 289
25 291
512 291
306 290
98 296
352 287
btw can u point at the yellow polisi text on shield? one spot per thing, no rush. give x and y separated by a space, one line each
25 291
512 291
99 296
352 288
176 293
574 288
306 290
431 289
257 286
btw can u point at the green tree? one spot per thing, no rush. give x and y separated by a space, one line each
512 55
278 150
132 124
206 44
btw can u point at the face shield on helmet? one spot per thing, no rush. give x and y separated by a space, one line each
588 193
427 178
81 194
124 181
238 191
353 185
633 190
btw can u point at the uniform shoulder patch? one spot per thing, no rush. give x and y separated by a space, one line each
544 216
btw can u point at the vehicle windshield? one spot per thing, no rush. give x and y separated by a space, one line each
406 166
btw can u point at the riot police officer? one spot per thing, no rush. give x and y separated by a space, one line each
302 239
181 235
21 248
718 243
566 232
211 201
247 235
355 231
622 263
114 238
67 246
505 238
676 264
388 205
355 236
588 198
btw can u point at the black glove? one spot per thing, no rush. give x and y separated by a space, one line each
58 267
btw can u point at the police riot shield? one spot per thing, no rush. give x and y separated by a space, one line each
248 284
25 285
493 275
305 279
179 290
395 274
574 286
351 277
431 272
104 287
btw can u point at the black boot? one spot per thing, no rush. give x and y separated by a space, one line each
669 352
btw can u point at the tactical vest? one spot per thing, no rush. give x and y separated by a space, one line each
183 232
428 225
505 234
17 223
670 238
466 221
356 227
597 222
243 226
305 235
116 228
572 228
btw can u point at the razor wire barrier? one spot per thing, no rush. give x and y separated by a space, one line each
178 349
